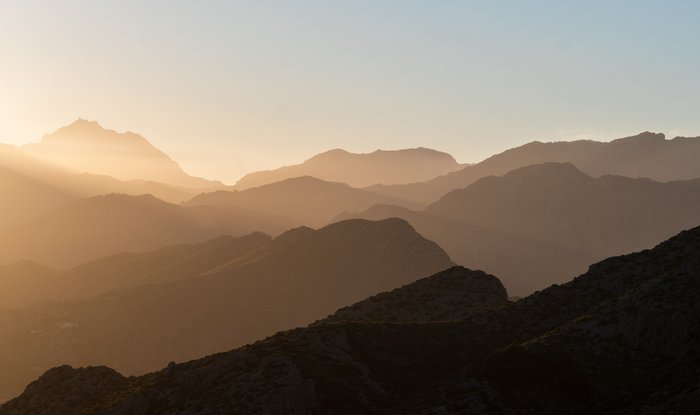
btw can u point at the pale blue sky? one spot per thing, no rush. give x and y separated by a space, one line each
226 87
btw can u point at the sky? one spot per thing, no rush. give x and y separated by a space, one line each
229 87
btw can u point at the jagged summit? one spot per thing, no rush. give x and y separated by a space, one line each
643 137
85 146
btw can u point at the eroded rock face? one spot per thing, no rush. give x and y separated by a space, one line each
622 338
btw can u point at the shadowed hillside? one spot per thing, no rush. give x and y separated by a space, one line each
543 224
360 170
622 338
103 225
25 283
293 280
645 155
452 294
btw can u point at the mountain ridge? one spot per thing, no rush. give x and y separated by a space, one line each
149 320
542 224
643 155
361 169
86 146
622 338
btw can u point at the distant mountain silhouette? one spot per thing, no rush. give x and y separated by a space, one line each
360 170
31 187
300 201
622 338
85 147
644 155
103 225
234 297
25 283
543 224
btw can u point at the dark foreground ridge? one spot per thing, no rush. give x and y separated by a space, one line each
621 338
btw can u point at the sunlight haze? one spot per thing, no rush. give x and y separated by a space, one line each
229 87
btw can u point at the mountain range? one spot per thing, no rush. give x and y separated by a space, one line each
361 170
138 312
90 228
84 146
542 224
621 338
647 155
111 254
299 201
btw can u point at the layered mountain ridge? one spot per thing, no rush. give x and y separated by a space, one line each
622 338
361 170
646 154
184 302
543 224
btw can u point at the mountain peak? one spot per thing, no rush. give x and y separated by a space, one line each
86 146
646 136
84 123
452 294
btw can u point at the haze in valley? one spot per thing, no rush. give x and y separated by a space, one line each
278 207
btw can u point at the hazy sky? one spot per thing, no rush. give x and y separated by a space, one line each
227 87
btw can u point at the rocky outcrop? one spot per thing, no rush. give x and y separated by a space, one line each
452 294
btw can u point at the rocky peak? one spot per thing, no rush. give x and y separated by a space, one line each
452 294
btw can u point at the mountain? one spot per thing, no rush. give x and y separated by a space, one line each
232 298
25 198
622 338
452 294
306 201
103 225
542 224
25 283
84 146
360 170
31 188
644 155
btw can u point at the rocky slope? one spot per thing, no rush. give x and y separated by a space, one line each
360 170
291 281
452 294
543 224
622 338
644 155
